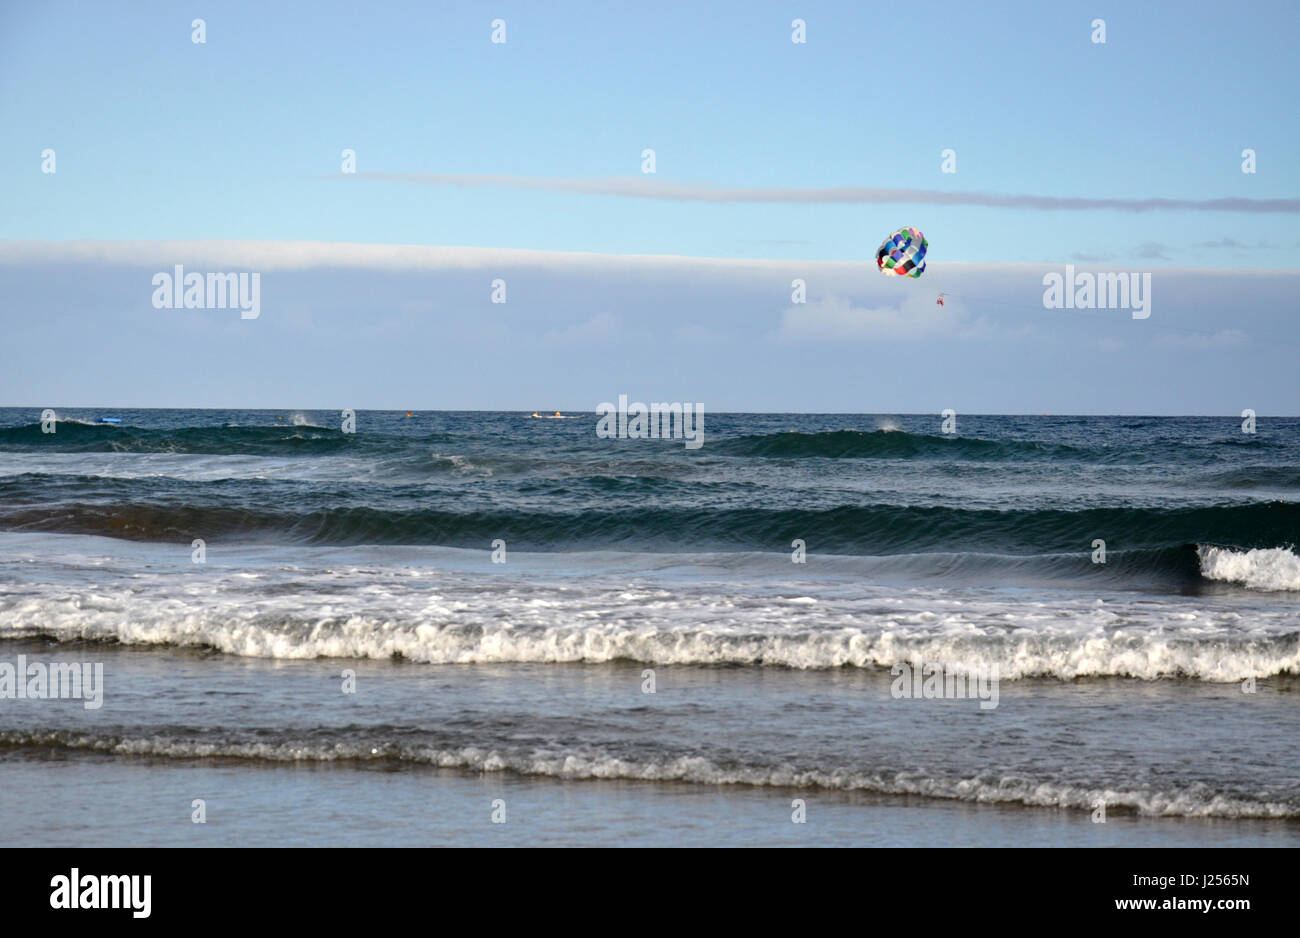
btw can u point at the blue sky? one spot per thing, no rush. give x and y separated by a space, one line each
160 141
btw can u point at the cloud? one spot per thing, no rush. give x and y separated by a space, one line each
599 328
374 325
1233 243
1151 251
1193 339
693 332
644 187
1148 251
834 318
314 255
309 255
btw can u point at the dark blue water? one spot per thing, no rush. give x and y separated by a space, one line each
857 485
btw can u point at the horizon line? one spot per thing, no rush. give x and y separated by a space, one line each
576 411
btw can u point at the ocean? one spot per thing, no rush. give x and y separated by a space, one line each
487 629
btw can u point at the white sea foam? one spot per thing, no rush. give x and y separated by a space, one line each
459 464
188 466
1274 568
583 763
440 616
447 606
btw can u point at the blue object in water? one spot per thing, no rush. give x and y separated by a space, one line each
110 419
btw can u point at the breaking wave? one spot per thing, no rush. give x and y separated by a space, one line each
380 745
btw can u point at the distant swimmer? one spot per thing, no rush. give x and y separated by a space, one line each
558 414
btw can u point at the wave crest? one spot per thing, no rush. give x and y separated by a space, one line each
1272 568
588 763
884 443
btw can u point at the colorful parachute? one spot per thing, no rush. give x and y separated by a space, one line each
903 253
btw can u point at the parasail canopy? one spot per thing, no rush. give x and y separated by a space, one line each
903 253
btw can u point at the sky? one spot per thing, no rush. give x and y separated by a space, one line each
775 161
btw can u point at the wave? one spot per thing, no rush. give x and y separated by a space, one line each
1083 641
854 530
591 763
1275 568
298 436
295 437
1255 477
884 443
